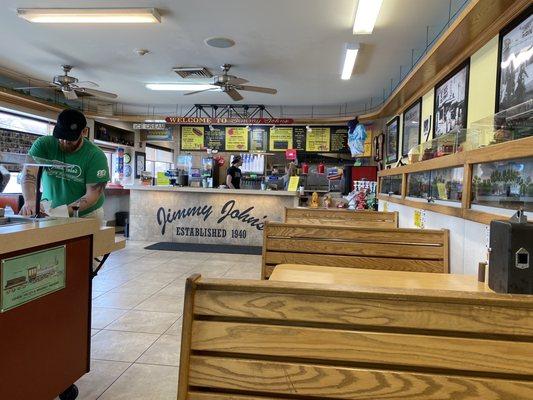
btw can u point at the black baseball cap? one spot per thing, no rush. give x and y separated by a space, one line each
69 125
236 159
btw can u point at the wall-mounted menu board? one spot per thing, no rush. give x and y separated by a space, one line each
280 139
298 134
236 138
192 137
215 138
318 139
258 138
339 139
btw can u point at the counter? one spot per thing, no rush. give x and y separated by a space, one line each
210 216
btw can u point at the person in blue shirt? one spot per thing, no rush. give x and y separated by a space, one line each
356 137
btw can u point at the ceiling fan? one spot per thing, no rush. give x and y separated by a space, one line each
230 84
71 87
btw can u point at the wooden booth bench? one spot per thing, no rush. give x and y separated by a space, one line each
336 246
266 340
341 217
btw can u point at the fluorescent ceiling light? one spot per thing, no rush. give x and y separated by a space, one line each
179 86
90 15
366 16
349 60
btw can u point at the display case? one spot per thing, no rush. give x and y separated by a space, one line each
504 184
418 185
511 124
391 185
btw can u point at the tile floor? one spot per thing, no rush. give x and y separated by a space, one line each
136 319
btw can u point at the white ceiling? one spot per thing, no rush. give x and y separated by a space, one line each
295 46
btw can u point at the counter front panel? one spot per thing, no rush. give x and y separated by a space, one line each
205 216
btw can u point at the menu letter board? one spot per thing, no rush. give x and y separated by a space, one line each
237 138
258 137
339 140
299 137
280 139
318 139
192 137
215 139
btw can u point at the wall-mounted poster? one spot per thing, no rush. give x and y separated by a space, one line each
339 139
280 139
192 137
451 102
298 134
411 127
215 138
318 139
237 138
391 140
140 164
258 138
378 147
515 72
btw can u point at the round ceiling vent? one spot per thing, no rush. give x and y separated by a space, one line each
219 42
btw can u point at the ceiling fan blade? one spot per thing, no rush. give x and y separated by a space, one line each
36 87
70 94
237 81
97 93
257 89
200 91
87 83
234 94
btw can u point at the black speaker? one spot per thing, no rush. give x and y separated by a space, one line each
511 257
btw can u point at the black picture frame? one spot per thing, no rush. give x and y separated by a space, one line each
464 109
508 30
395 122
407 113
139 156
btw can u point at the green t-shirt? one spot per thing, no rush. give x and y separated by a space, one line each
66 186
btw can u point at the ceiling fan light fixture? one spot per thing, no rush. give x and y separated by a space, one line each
349 60
366 16
178 87
90 15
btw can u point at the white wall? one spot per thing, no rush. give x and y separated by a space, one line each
468 239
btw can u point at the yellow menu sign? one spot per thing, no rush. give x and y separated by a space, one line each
192 137
280 139
293 183
318 139
237 139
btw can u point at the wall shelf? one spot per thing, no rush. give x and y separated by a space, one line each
516 149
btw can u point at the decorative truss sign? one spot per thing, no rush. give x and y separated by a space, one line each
228 121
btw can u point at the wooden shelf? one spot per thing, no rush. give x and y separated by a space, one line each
520 148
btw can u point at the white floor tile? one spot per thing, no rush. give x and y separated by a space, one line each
165 351
102 375
144 321
120 346
103 316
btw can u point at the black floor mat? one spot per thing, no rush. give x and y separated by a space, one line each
205 248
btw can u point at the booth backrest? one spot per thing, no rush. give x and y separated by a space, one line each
264 340
337 246
15 201
341 217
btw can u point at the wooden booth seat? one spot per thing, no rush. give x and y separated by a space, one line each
265 340
341 217
336 246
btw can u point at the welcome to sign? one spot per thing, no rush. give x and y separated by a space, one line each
226 121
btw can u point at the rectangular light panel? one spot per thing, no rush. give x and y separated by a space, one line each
349 61
90 15
366 16
178 87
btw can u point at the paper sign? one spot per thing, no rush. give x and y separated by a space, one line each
293 183
441 187
192 137
30 276
162 180
290 154
419 219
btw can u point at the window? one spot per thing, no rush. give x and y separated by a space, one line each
158 159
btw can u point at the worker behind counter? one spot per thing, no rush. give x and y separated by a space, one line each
81 187
233 177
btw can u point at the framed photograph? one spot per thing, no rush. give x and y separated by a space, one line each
140 164
427 128
411 127
391 140
515 62
378 146
451 101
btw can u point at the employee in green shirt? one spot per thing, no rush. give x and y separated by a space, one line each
83 184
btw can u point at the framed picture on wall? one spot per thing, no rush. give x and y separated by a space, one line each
411 127
391 140
515 62
451 101
140 164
